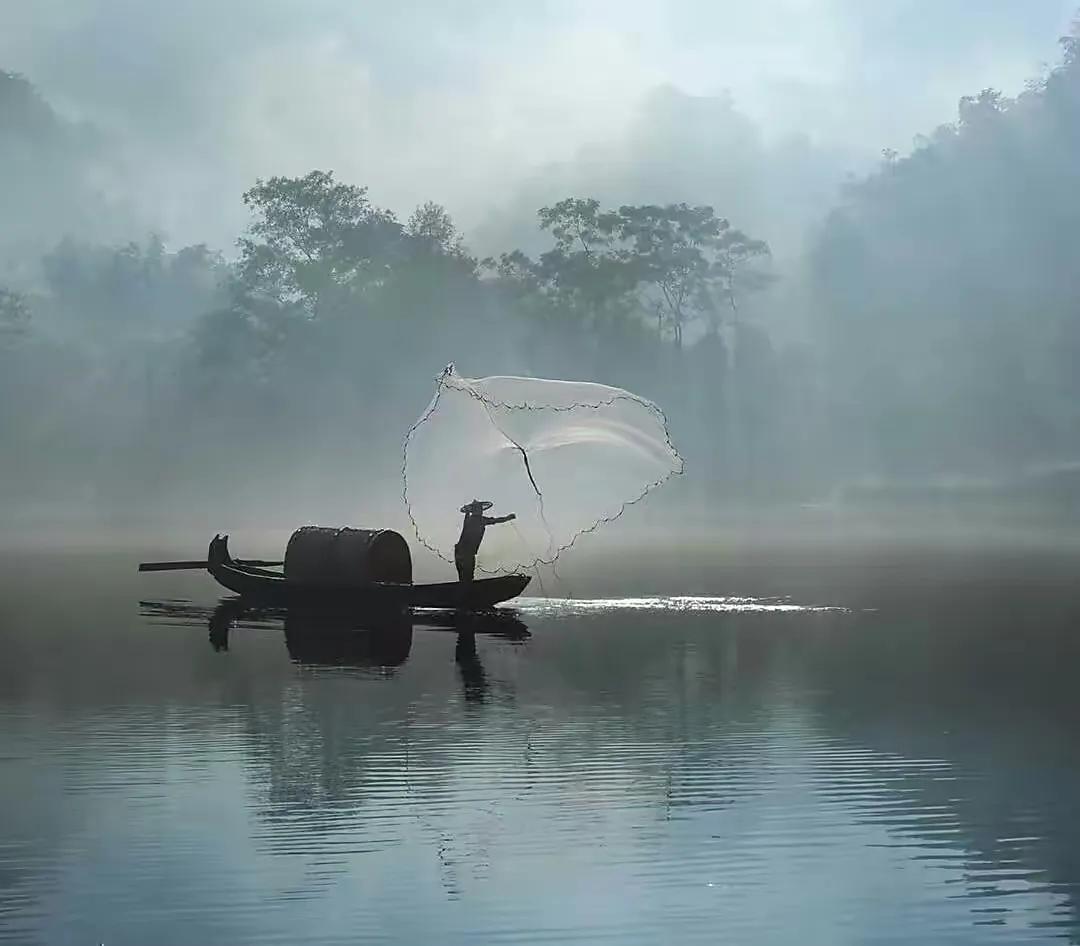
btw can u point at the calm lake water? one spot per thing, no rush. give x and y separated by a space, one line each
798 749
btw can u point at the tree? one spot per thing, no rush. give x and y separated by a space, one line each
26 114
433 286
136 290
589 288
578 295
578 226
1070 45
433 231
685 261
584 275
14 314
316 244
674 263
986 106
50 176
946 286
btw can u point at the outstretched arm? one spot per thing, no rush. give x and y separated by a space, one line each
495 520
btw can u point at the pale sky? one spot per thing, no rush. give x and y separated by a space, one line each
465 101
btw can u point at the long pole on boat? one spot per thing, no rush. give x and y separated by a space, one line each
178 566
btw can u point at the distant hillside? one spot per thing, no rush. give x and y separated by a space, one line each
54 177
947 289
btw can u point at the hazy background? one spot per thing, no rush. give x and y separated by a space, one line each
476 103
909 343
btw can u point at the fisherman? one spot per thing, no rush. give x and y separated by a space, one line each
472 534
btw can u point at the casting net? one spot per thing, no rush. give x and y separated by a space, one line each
564 456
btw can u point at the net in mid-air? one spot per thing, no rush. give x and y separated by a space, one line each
564 456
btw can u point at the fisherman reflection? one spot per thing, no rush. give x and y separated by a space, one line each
501 624
472 671
472 534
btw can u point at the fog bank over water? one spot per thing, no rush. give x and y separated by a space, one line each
835 241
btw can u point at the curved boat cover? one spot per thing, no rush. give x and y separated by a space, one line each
320 555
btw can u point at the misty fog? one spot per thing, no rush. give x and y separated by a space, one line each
238 243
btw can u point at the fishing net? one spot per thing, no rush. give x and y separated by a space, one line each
564 456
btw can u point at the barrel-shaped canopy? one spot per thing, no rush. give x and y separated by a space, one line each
320 555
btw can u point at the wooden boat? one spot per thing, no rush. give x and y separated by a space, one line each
274 588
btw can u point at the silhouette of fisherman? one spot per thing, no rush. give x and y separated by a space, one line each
472 534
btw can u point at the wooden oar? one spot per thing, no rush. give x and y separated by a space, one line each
177 566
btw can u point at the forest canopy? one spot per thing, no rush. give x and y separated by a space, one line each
937 306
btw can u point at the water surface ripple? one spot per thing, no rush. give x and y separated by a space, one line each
636 770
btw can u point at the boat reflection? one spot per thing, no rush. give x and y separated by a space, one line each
323 639
380 641
314 641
